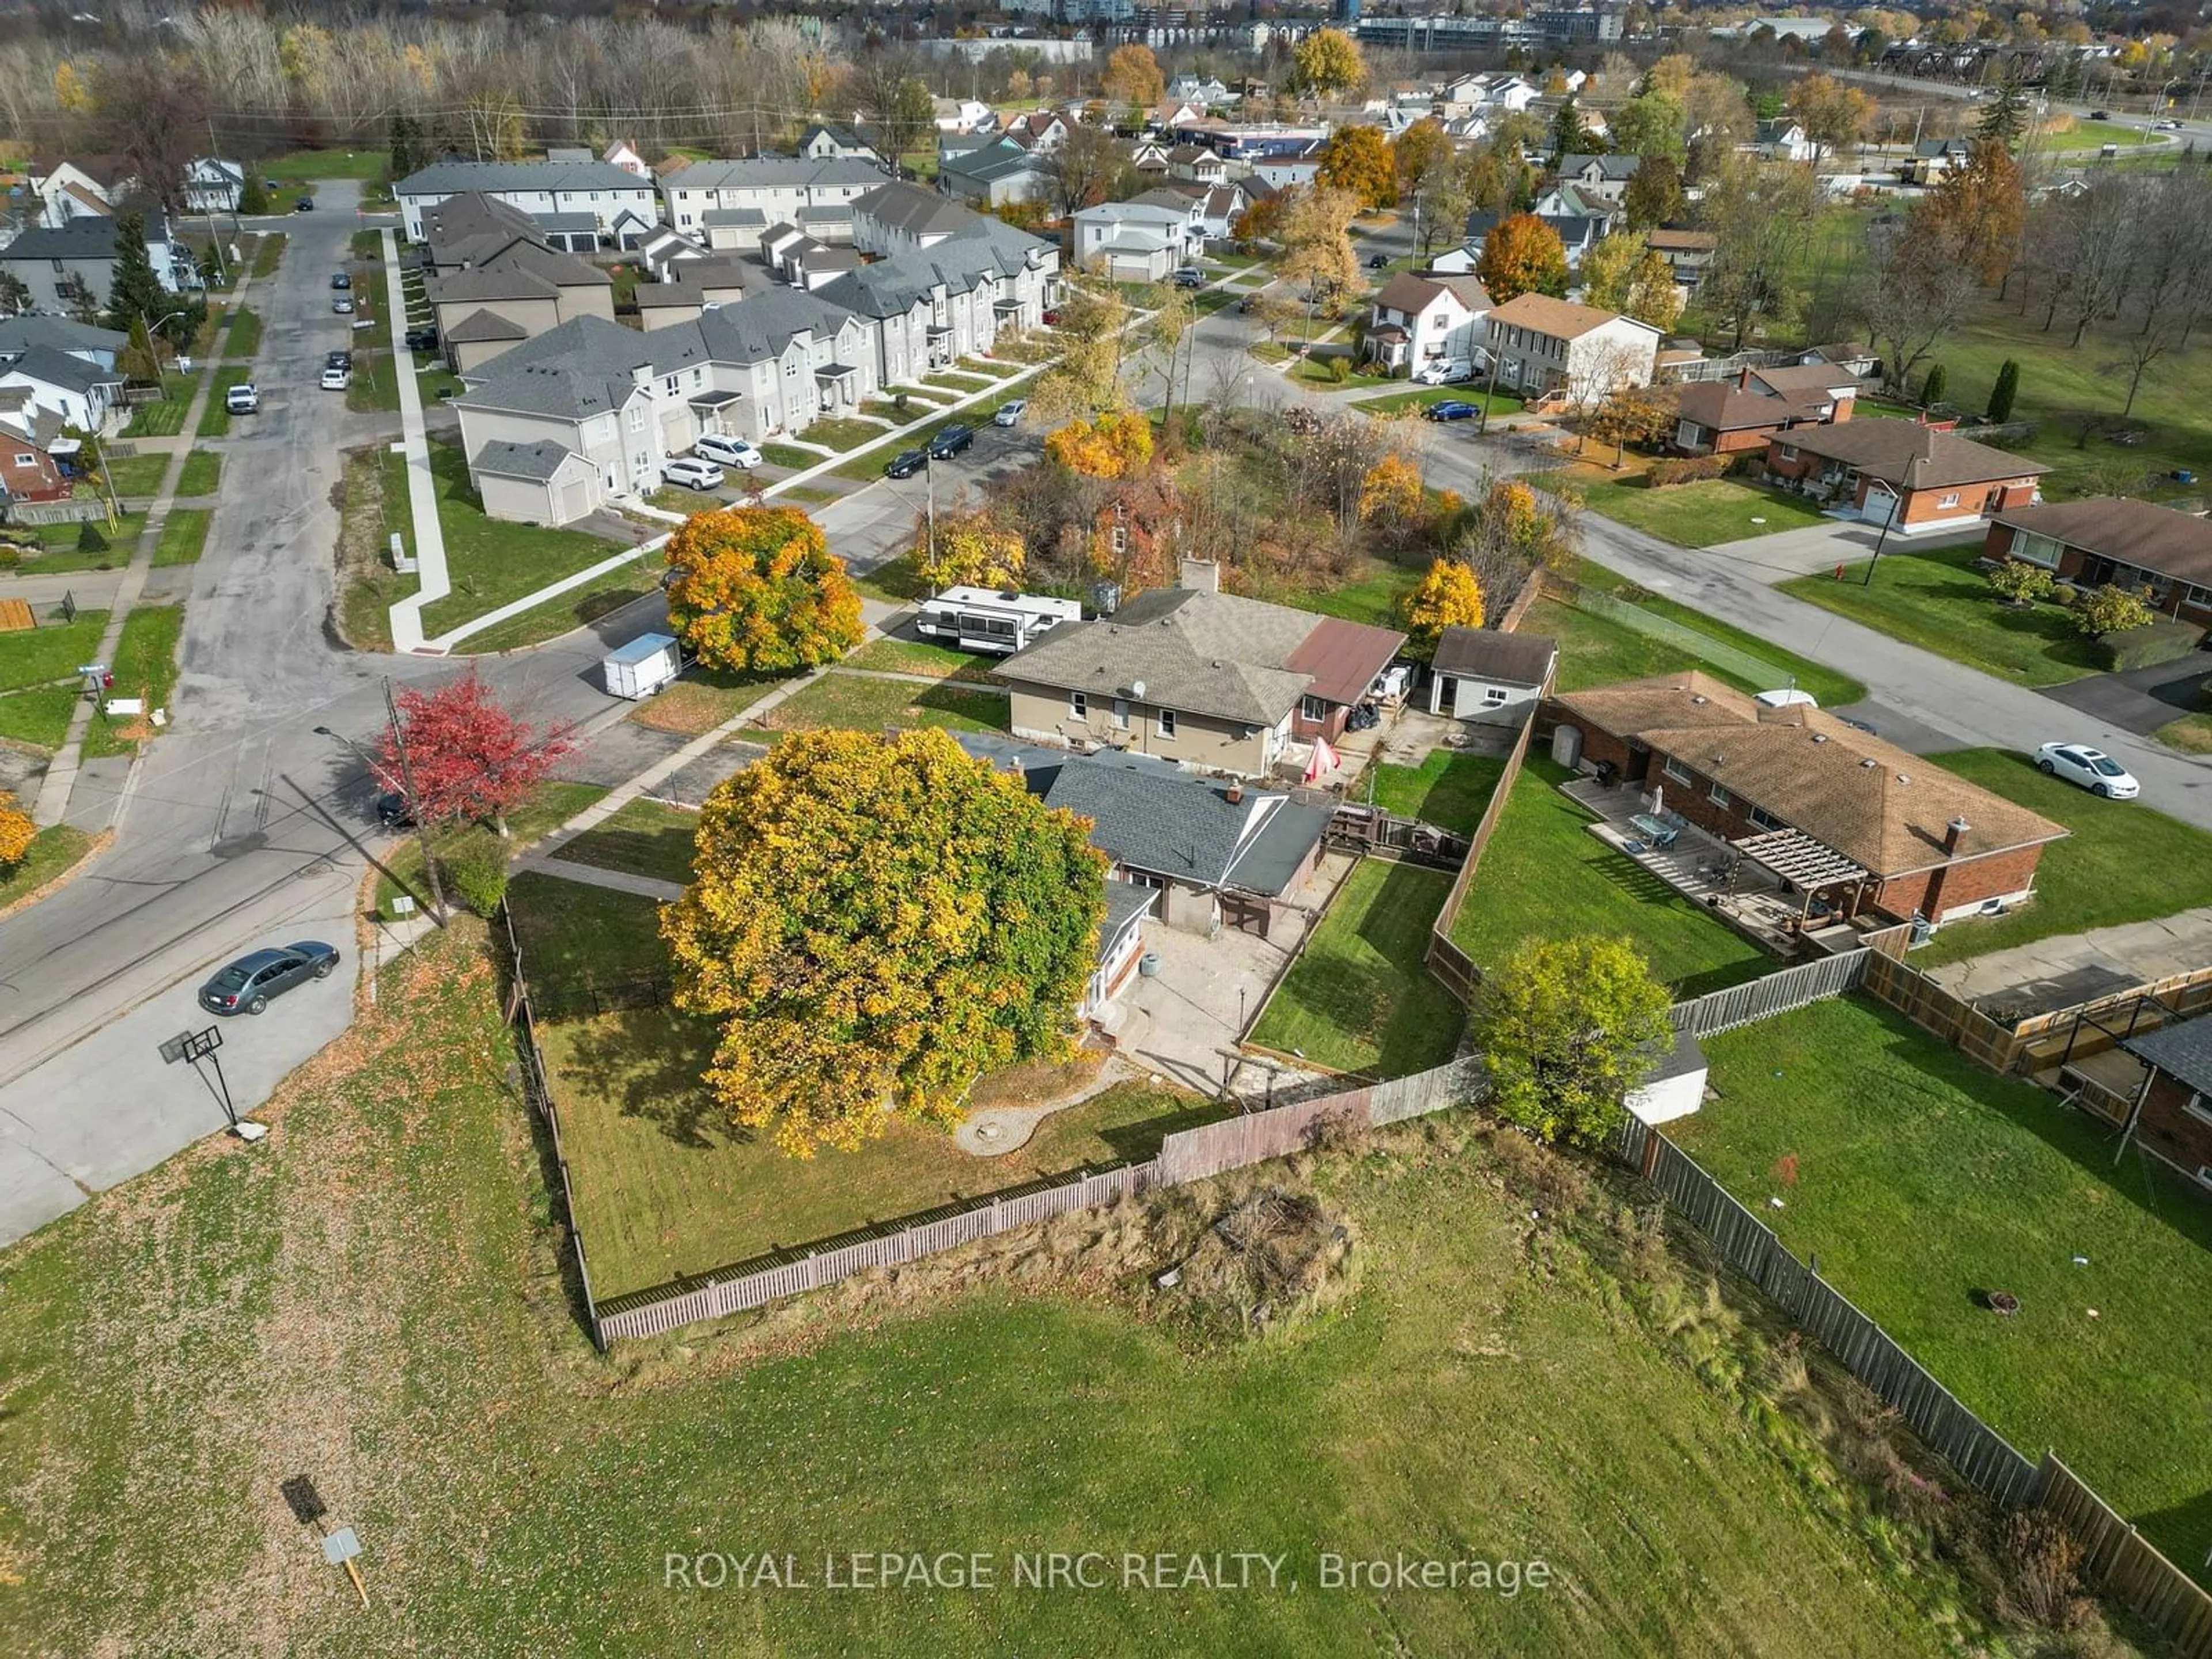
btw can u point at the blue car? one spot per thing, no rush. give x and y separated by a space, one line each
1452 409
247 985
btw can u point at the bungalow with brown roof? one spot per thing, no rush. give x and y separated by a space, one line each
1916 476
1725 417
1831 810
2163 556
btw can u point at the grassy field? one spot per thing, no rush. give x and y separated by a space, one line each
215 419
1833 690
53 851
1544 876
244 339
1359 998
374 388
39 717
1397 402
1448 790
1933 598
643 838
183 536
51 651
2124 861
667 1185
1924 1181
493 563
862 704
164 417
300 165
1701 514
392 1322
145 667
1372 597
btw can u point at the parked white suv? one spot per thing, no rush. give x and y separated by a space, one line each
699 474
727 451
243 398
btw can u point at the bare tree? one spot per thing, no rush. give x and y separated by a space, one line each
1917 289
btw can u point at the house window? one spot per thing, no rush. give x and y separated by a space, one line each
1312 708
637 417
2199 1108
1720 797
1167 722
1078 706
1121 714
27 460
1789 452
1495 697
2201 598
2031 549
1948 500
1763 819
1681 774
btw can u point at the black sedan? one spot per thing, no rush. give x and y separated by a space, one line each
247 985
906 463
1452 409
951 442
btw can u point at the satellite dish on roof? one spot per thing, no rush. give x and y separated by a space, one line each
1136 690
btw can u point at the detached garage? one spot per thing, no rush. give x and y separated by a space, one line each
535 484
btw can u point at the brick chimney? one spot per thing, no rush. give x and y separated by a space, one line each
1743 379
1953 832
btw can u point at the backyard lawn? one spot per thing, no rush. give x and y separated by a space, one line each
1544 876
1360 999
667 1185
374 1296
1719 646
2124 861
493 563
1701 514
1933 598
1924 1181
164 416
642 838
1372 597
1448 790
1398 401
862 704
922 657
51 651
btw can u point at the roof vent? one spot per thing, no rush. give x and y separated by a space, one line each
1869 763
1901 778
1819 737
1698 700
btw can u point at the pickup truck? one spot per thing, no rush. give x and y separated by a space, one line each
244 399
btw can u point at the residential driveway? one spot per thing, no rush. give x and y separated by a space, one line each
1816 550
2057 973
2142 699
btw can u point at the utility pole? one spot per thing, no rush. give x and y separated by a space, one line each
415 808
215 236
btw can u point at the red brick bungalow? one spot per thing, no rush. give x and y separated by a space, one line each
1833 810
2173 1116
2164 556
1727 417
28 438
1940 479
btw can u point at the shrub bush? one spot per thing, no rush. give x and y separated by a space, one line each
1689 470
2163 640
2022 583
474 864
2109 609
90 538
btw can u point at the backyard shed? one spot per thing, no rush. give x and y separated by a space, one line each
1491 678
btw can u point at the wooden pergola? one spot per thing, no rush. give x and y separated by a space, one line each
1806 863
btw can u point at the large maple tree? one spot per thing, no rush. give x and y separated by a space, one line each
756 587
467 755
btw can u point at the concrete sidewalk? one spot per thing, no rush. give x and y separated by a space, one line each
592 875
428 543
2074 966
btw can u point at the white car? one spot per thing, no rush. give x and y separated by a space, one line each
343 306
699 474
1010 413
2093 769
727 451
336 379
243 398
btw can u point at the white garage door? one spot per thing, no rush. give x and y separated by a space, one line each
576 499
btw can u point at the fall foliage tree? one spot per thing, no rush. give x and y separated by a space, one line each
1832 112
470 759
1390 496
1330 63
2109 609
876 922
756 587
1357 160
1981 210
1654 196
17 832
1522 255
1448 596
1316 239
1624 273
1133 76
2019 583
1116 445
1569 1027
1422 155
973 549
1086 377
1652 125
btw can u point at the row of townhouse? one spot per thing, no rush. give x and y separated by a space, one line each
557 425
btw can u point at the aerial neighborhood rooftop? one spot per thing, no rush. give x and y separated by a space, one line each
1182 831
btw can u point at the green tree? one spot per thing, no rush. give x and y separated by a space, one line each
2109 609
1522 254
1568 1028
1931 389
876 921
2004 392
405 140
1608 269
2019 583
1654 196
253 193
1652 125
2004 118
137 297
1330 63
756 587
1569 136
1358 159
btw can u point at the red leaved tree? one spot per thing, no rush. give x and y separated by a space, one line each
468 756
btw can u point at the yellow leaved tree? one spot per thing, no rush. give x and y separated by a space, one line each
756 587
876 921
1117 445
17 832
1449 596
973 551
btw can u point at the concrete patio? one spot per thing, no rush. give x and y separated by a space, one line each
1701 867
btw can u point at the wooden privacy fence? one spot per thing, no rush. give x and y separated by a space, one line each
1452 966
1185 1156
2117 1562
1771 994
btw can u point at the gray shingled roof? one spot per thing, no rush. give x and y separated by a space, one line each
1125 901
2182 1050
982 251
451 177
80 238
61 333
777 172
52 367
1486 654
734 219
566 223
909 207
483 326
1202 654
1155 819
538 462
